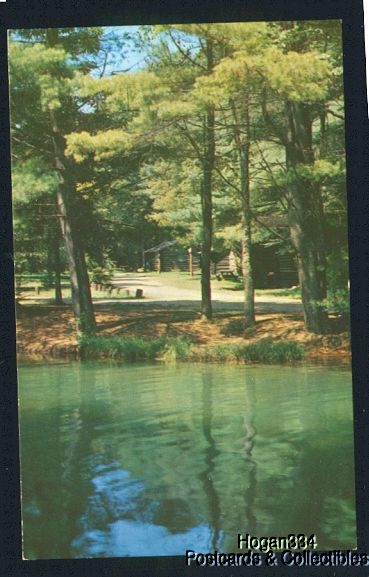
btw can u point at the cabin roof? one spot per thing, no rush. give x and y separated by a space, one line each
161 246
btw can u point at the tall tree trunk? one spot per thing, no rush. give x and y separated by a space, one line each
67 210
242 138
306 219
57 271
80 284
206 200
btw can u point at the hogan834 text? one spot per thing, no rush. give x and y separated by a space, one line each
292 542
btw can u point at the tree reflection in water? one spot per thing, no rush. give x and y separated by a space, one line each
151 460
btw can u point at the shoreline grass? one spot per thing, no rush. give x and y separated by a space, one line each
133 349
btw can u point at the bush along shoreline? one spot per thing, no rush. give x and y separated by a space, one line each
135 349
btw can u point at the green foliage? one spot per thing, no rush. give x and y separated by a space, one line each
101 146
78 42
49 72
233 75
300 77
31 179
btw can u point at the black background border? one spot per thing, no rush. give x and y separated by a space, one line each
59 13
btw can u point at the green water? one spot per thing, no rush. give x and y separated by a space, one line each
121 460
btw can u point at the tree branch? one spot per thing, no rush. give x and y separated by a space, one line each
335 114
184 53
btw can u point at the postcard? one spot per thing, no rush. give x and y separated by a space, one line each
183 199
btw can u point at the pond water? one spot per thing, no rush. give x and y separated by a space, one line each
135 460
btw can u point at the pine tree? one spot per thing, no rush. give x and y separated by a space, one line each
42 108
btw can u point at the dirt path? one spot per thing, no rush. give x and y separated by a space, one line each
159 293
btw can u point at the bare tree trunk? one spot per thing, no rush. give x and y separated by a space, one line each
242 138
80 285
246 225
206 200
306 220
